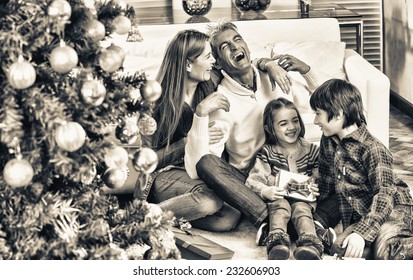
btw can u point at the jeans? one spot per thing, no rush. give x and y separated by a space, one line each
300 213
192 200
395 238
229 183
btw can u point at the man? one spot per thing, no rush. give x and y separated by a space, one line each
248 90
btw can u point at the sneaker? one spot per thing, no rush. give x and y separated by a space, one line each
262 234
327 236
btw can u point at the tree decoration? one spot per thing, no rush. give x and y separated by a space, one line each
70 136
121 24
147 125
151 90
110 60
119 50
93 92
134 34
116 156
63 58
116 177
60 9
145 160
96 30
18 172
88 174
21 74
127 131
135 95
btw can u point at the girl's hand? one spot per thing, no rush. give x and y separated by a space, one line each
271 193
314 188
215 134
354 244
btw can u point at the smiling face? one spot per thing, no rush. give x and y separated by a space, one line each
233 53
328 127
200 69
286 125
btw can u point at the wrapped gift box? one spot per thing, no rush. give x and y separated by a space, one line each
197 247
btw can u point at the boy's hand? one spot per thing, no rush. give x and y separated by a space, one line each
354 244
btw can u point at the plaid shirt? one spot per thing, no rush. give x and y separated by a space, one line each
359 169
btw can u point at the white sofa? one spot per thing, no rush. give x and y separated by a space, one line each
322 34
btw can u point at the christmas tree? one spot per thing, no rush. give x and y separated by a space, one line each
66 112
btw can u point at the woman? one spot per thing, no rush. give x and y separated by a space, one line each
185 77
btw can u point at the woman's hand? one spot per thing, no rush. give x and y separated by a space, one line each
215 133
354 244
291 63
211 103
271 193
278 75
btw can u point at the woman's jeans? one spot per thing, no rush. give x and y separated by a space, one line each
281 211
192 200
229 183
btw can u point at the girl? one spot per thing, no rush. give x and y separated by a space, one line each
185 77
286 149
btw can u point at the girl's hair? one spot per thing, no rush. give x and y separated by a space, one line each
272 106
216 29
335 96
185 47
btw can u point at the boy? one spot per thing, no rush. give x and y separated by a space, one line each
376 208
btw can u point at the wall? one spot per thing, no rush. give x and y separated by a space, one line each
398 21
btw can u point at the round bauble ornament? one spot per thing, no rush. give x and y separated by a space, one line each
21 74
96 30
115 177
151 90
145 160
18 173
70 136
121 24
147 125
116 156
119 50
88 174
60 9
93 92
63 58
127 132
110 60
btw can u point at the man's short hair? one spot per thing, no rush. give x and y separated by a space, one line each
215 29
337 96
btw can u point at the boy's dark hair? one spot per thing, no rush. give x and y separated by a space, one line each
335 96
273 105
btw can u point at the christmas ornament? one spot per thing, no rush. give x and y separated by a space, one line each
63 58
135 95
127 131
90 4
70 136
119 50
115 177
147 125
110 60
134 34
93 92
96 30
18 172
145 160
121 24
88 174
60 9
151 90
116 156
21 74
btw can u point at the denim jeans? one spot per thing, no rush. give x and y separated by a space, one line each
229 183
192 200
395 238
281 211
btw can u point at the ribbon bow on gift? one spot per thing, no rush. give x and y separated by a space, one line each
301 188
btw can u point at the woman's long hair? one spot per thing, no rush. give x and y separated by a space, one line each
185 47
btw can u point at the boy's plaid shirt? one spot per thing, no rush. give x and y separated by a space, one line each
359 169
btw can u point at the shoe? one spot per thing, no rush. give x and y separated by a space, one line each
278 246
262 234
309 247
327 236
279 252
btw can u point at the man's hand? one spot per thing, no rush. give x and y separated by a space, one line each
354 244
215 133
278 75
211 103
291 63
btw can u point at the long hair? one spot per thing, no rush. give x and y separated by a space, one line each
268 121
186 46
335 96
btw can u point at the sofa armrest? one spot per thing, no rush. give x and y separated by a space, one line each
375 90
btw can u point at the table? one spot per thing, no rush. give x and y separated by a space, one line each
171 12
